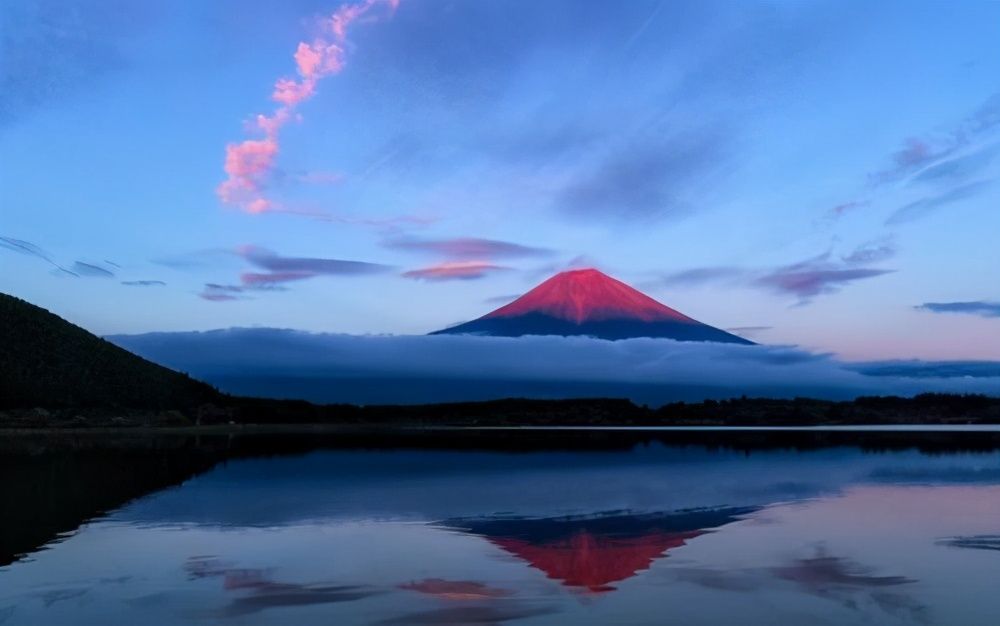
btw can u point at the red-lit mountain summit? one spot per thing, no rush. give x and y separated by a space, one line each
589 302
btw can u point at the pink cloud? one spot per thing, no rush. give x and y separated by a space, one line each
319 59
291 92
249 162
459 270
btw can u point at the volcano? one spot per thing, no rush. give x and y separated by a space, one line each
589 302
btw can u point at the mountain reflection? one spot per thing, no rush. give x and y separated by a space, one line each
593 553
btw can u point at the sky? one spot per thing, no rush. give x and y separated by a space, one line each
812 174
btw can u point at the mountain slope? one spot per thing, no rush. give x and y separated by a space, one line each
51 363
589 302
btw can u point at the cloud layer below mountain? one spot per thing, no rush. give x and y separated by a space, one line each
412 369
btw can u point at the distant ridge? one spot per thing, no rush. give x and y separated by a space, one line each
589 302
48 362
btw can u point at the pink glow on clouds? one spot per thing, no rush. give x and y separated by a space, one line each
456 270
250 162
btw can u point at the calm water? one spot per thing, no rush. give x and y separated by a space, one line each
601 532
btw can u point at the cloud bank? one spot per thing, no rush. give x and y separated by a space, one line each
403 369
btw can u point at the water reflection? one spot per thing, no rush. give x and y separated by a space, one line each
594 552
470 615
457 589
650 534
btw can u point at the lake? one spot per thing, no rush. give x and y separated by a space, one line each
502 527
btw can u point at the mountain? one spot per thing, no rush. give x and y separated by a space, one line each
51 363
589 302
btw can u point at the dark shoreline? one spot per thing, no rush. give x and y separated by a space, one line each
245 412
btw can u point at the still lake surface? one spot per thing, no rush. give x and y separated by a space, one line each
598 528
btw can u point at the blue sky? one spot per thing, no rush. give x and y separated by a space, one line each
815 173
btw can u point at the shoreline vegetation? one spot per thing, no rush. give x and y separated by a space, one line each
231 413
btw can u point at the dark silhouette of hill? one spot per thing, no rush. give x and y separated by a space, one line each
48 362
589 302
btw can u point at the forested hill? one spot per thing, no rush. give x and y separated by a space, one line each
48 362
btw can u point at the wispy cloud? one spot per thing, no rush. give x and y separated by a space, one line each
457 270
920 154
214 292
144 283
24 247
960 167
249 163
925 206
502 299
818 275
947 160
90 269
51 50
644 180
981 308
467 248
280 270
872 252
701 275
307 266
813 277
749 330
847 207
271 279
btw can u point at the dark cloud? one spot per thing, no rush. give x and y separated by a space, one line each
81 268
144 283
467 248
976 307
273 262
393 369
648 180
930 204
